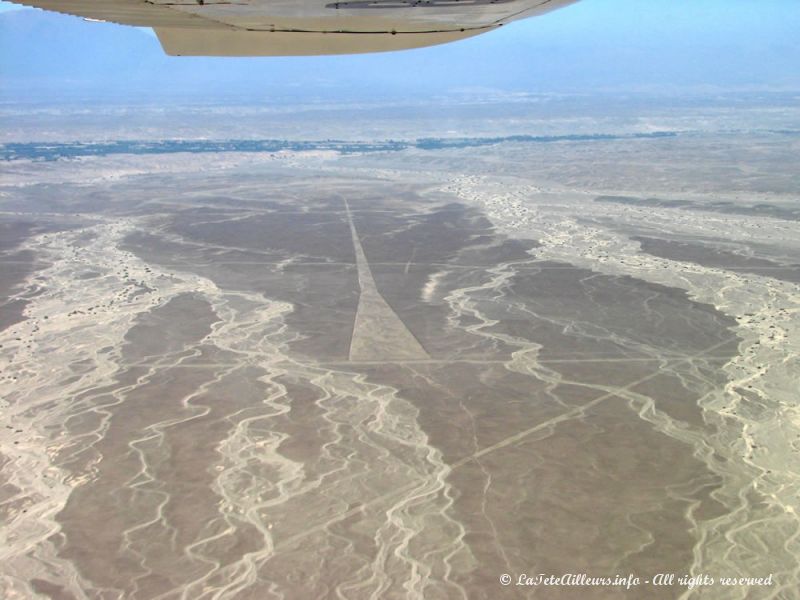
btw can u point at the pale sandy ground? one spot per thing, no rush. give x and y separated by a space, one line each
758 411
42 354
162 438
72 347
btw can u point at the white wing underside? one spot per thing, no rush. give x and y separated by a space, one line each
303 27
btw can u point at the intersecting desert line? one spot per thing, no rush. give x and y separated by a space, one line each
386 377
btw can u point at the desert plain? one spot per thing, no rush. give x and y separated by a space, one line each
403 374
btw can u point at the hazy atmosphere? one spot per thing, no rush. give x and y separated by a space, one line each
513 317
591 46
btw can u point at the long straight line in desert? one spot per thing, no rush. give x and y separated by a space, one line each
378 333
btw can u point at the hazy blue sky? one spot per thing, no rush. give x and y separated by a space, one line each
589 46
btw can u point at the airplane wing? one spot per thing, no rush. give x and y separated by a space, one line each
303 27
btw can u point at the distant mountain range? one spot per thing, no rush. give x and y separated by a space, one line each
592 45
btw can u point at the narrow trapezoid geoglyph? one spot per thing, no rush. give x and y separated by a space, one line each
378 333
